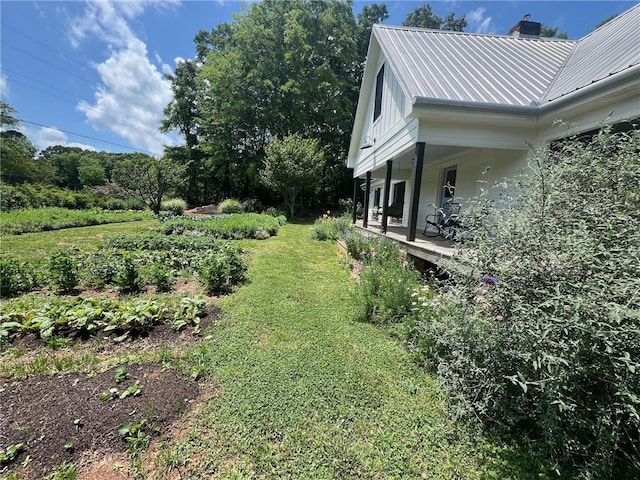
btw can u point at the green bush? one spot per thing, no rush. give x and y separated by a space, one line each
538 329
18 277
329 228
386 280
231 205
63 272
177 206
220 271
162 277
128 278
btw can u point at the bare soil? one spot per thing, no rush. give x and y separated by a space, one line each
45 413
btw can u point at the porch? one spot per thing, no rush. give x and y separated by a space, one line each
424 248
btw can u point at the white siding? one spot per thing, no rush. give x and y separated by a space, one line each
495 163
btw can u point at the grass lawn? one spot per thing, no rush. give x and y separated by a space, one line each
35 246
304 391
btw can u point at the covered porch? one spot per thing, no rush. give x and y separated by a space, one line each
427 249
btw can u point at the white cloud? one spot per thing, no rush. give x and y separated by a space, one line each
477 21
44 137
133 93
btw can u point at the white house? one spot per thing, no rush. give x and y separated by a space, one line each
439 107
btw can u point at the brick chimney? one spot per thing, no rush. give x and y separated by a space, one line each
525 29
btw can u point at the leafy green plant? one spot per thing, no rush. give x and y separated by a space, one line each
63 271
220 271
230 205
188 313
64 471
18 277
538 329
121 374
127 277
131 391
162 277
135 436
8 454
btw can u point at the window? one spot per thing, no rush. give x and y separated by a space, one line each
398 192
377 108
376 197
448 185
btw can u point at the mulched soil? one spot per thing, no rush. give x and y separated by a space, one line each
45 412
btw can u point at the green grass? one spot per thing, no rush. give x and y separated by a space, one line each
35 246
305 391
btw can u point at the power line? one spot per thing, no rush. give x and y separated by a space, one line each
43 60
86 136
35 40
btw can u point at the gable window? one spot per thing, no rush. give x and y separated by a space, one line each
377 107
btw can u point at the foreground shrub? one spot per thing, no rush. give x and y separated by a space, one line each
386 279
18 277
222 270
231 205
63 272
538 331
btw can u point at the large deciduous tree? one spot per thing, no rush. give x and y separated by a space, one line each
292 165
148 178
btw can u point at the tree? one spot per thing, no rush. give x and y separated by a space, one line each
16 151
292 165
552 32
283 68
147 178
367 18
424 17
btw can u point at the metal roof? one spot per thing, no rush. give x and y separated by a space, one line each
470 67
610 49
505 70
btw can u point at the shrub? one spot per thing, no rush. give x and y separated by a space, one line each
176 206
17 277
63 272
221 270
386 280
329 228
162 277
230 205
538 330
127 277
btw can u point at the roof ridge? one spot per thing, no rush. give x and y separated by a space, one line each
469 34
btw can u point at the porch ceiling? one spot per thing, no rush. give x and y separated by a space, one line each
404 161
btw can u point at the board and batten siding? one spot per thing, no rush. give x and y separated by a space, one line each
476 168
391 130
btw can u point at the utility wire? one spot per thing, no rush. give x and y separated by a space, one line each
43 60
85 136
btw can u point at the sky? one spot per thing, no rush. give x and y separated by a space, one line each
91 73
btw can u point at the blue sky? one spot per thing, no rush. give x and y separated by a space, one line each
90 73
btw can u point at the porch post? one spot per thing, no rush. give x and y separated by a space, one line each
385 203
365 215
355 200
415 192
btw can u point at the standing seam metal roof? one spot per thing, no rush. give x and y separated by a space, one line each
505 70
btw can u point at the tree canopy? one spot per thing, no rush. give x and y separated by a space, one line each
424 17
292 165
